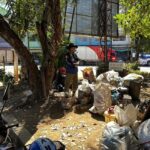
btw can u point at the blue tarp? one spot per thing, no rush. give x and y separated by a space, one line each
87 40
4 44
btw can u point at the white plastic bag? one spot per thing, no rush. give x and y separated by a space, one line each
144 134
118 138
110 77
84 88
127 116
132 77
121 116
102 98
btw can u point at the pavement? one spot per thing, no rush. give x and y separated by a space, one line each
145 69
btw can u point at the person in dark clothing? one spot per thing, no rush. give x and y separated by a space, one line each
72 61
59 81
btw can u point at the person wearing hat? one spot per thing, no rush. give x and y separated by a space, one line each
72 62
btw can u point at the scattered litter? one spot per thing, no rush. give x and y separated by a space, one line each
55 128
73 143
63 136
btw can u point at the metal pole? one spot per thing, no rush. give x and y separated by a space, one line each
4 70
72 20
65 12
105 33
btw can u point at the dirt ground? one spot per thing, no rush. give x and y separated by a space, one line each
80 131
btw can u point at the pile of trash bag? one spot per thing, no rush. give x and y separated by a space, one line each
102 98
84 93
132 77
144 134
108 89
110 77
107 94
116 137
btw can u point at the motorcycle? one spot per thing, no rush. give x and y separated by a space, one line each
6 142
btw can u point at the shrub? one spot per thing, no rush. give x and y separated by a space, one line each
4 77
132 66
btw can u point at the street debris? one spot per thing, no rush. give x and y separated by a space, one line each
144 134
116 137
113 97
104 114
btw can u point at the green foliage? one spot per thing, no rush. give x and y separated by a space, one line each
145 44
60 62
136 17
23 14
131 66
2 73
5 77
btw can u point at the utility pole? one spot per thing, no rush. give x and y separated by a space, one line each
73 13
102 28
106 25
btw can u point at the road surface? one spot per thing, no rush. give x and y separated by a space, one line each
10 69
145 69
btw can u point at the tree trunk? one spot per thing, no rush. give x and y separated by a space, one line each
12 38
57 35
137 45
50 46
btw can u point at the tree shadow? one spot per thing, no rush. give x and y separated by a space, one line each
80 109
98 117
29 115
57 110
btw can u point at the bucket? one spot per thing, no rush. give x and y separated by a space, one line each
109 117
134 90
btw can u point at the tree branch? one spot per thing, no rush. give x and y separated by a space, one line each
12 38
